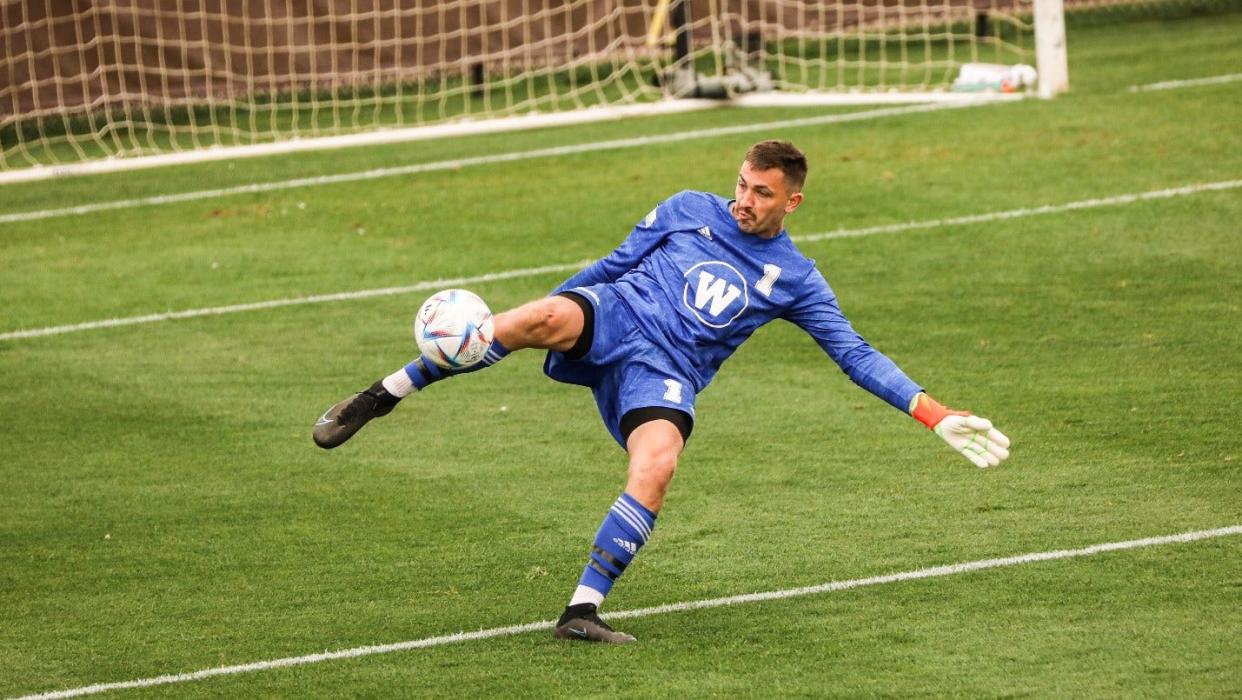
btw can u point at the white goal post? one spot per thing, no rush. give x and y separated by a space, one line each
96 85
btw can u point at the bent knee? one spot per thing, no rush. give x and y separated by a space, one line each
649 478
655 470
654 448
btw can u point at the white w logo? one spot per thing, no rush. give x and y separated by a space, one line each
715 290
716 293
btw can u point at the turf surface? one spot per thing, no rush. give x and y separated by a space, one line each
162 509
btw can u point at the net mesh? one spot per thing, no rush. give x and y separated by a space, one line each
867 46
90 79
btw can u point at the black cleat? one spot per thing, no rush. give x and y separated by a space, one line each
580 622
340 422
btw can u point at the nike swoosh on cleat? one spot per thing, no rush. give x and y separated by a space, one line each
580 632
324 419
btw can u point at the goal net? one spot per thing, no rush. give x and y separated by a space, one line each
94 80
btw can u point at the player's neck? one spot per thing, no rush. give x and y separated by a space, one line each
765 235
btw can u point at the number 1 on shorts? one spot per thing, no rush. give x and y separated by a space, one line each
673 392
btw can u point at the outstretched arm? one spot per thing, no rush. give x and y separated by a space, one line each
819 315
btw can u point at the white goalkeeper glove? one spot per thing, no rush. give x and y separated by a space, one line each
971 435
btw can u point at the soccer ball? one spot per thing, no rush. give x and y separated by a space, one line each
453 328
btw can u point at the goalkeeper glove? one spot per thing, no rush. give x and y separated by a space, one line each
973 436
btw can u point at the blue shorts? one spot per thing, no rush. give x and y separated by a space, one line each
624 369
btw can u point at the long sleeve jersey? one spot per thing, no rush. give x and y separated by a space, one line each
697 286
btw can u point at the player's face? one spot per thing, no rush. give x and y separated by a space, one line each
762 200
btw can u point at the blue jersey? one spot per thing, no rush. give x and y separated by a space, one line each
698 287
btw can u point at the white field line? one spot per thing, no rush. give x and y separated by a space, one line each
567 267
933 572
1115 200
1192 82
429 285
616 144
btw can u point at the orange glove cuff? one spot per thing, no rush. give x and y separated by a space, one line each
930 412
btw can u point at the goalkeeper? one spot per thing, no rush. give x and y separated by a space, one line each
647 327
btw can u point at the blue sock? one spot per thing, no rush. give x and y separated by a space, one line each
423 372
624 531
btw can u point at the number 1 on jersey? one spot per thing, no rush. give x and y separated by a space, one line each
770 273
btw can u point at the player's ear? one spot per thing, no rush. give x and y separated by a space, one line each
794 200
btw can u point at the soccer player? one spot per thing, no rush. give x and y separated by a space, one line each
647 327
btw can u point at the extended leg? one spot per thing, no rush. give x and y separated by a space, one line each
552 323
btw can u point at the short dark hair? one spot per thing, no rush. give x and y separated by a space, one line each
766 155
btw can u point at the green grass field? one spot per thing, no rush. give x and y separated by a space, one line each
163 510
